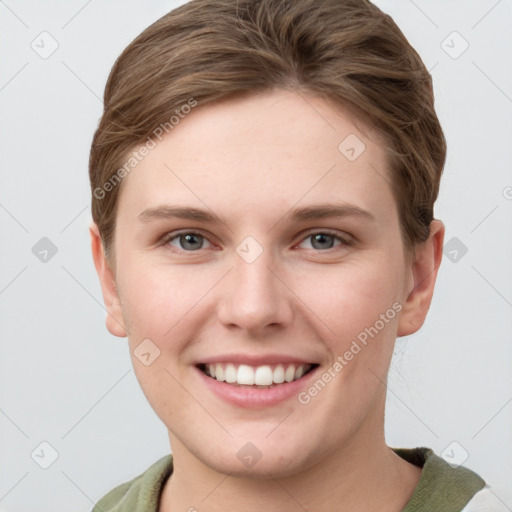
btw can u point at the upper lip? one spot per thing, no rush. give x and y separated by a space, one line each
255 360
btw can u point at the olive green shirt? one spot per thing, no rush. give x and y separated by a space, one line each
441 488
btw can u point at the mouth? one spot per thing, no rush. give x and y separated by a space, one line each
259 377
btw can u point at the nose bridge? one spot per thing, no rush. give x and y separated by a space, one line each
254 297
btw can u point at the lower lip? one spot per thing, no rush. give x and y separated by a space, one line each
253 397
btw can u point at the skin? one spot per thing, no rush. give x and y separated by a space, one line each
251 161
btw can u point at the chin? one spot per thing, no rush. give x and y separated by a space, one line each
260 460
261 470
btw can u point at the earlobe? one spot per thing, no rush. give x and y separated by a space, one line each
428 256
114 319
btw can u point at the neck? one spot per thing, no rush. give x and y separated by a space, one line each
362 475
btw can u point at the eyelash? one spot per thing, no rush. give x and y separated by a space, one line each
169 237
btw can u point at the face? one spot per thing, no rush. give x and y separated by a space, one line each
256 235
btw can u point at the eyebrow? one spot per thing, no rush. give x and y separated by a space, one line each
314 212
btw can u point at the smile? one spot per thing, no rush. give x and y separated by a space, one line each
265 376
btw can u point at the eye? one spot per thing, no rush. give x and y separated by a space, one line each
322 240
186 241
190 241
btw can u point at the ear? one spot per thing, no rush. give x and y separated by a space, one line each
423 274
114 320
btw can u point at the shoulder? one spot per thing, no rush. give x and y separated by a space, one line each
442 486
139 493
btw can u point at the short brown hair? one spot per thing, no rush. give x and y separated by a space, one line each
347 51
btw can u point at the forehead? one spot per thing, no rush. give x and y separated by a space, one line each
263 154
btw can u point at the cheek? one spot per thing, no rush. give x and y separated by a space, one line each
348 298
161 384
342 299
157 299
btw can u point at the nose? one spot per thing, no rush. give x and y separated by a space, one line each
255 297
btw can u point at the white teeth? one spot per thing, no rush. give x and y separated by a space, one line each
278 376
230 373
290 373
263 376
260 376
219 372
245 375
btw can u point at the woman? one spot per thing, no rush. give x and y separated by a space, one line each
296 145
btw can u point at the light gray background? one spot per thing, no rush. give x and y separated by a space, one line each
65 380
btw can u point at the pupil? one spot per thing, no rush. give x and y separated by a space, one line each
189 239
321 238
